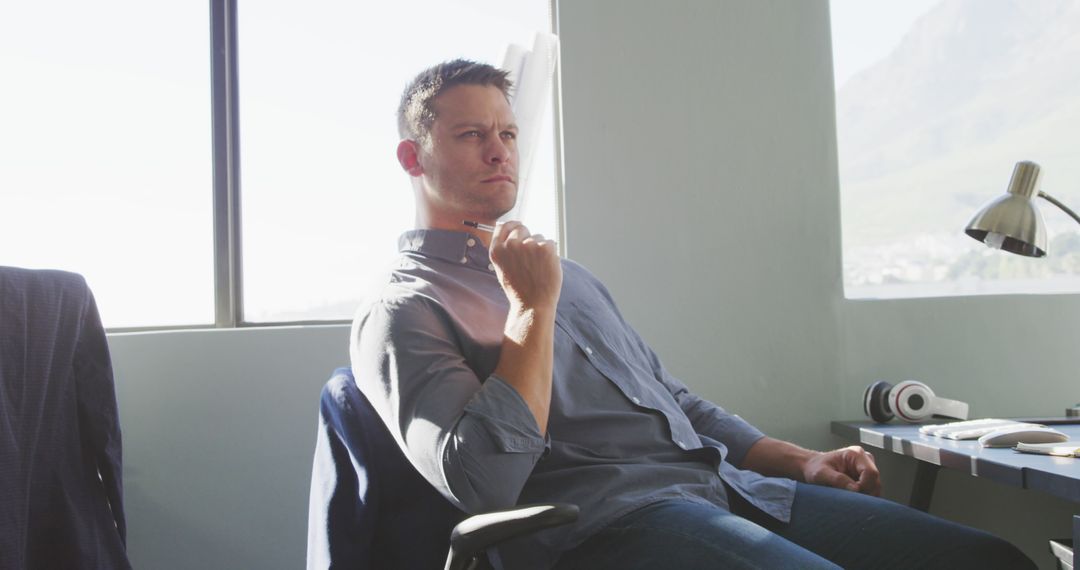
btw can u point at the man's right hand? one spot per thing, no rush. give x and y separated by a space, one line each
527 266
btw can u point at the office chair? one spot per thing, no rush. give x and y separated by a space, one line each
61 491
370 509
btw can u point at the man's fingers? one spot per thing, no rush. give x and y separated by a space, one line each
512 234
859 464
526 265
869 476
506 235
503 231
519 233
841 481
850 468
538 240
512 238
535 238
870 482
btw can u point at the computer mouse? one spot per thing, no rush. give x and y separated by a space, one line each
1010 436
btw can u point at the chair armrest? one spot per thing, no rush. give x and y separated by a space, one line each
479 532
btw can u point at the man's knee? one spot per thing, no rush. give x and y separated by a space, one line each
984 550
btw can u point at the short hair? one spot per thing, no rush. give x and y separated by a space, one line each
416 112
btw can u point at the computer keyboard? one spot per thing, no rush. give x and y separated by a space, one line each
970 429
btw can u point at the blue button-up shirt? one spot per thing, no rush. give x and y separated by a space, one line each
622 432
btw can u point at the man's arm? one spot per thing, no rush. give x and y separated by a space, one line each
476 440
748 448
530 273
850 468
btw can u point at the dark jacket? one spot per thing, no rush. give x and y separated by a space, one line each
61 502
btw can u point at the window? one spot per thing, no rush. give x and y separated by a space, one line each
324 199
936 101
104 152
107 154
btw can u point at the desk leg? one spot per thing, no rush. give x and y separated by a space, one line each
1076 541
922 489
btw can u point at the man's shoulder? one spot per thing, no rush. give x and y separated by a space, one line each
392 315
416 288
399 292
576 270
577 276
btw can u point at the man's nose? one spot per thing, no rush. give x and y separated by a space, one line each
498 151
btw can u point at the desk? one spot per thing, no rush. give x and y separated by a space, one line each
1058 476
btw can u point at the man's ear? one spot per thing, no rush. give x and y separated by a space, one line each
408 155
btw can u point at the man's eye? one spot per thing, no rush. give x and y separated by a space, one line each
470 134
509 135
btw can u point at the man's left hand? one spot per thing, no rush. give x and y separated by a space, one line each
850 468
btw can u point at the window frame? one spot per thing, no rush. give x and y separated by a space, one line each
958 286
226 189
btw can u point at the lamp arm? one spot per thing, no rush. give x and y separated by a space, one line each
1057 203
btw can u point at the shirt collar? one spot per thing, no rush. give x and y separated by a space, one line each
457 247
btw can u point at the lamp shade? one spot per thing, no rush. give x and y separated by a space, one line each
1012 222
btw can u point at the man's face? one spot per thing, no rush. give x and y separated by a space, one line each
470 164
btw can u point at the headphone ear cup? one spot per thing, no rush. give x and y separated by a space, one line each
912 400
876 401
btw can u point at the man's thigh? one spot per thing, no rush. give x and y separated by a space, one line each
858 531
680 534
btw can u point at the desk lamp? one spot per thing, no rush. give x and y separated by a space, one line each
1012 222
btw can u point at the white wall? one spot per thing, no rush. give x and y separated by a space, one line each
701 187
219 434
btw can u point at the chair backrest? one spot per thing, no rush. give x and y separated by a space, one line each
369 508
61 491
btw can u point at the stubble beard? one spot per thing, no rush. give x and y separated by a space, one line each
490 207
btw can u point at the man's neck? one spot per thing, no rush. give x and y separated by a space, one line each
459 226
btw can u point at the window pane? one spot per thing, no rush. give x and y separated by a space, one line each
936 102
324 199
105 152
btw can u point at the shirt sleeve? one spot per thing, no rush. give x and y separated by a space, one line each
475 442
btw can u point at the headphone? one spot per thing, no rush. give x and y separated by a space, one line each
910 400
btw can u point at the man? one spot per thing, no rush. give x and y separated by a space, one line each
508 376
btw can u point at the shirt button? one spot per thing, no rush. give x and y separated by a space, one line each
491 267
635 400
588 350
470 242
464 259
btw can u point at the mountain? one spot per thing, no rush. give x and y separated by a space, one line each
930 133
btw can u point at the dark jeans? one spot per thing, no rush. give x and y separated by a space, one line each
829 528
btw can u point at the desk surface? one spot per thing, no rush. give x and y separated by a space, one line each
1058 476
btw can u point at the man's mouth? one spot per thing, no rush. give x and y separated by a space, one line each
498 178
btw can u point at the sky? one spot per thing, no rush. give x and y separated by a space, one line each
865 31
